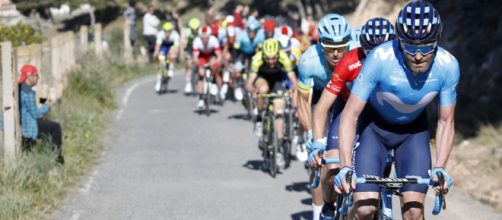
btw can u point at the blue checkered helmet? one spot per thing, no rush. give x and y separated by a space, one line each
418 22
376 31
333 29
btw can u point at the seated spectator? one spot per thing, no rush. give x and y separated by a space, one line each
32 126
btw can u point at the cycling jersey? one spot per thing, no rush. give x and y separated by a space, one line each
173 41
345 72
273 75
257 62
246 45
395 92
313 67
204 50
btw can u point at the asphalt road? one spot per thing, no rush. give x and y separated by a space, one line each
163 160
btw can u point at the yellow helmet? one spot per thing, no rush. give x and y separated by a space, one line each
271 47
194 23
168 26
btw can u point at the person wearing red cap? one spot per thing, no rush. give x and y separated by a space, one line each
32 126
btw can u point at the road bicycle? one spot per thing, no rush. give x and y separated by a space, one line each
269 142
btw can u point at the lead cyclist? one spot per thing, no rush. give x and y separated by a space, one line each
398 80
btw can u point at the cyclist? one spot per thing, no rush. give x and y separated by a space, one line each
316 65
265 76
247 44
190 34
229 53
166 49
205 48
289 44
398 79
374 32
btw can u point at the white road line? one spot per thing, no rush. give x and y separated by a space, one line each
87 186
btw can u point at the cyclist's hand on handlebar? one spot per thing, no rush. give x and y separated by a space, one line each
447 183
313 158
341 183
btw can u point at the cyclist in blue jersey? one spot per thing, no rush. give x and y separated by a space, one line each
398 79
315 68
247 44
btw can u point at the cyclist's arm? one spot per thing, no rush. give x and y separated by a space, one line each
347 130
288 66
303 86
320 116
445 134
256 62
367 81
195 50
158 43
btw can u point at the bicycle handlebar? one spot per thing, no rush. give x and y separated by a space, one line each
439 199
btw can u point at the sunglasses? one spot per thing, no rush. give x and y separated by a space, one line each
413 49
330 48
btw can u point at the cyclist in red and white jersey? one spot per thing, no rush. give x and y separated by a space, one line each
206 50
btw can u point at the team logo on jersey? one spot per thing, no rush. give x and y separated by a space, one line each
355 65
399 105
384 53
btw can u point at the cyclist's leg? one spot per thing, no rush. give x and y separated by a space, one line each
263 87
413 158
188 71
201 73
370 156
279 105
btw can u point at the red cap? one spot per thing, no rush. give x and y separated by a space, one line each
27 70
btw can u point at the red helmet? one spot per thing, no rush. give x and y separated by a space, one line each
269 25
205 31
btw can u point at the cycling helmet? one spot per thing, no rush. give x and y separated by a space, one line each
205 31
253 25
168 26
333 29
194 23
376 31
270 47
418 22
286 31
269 26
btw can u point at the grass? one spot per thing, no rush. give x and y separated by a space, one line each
34 184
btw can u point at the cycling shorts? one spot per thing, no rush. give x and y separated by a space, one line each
409 142
205 59
164 50
274 86
332 136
